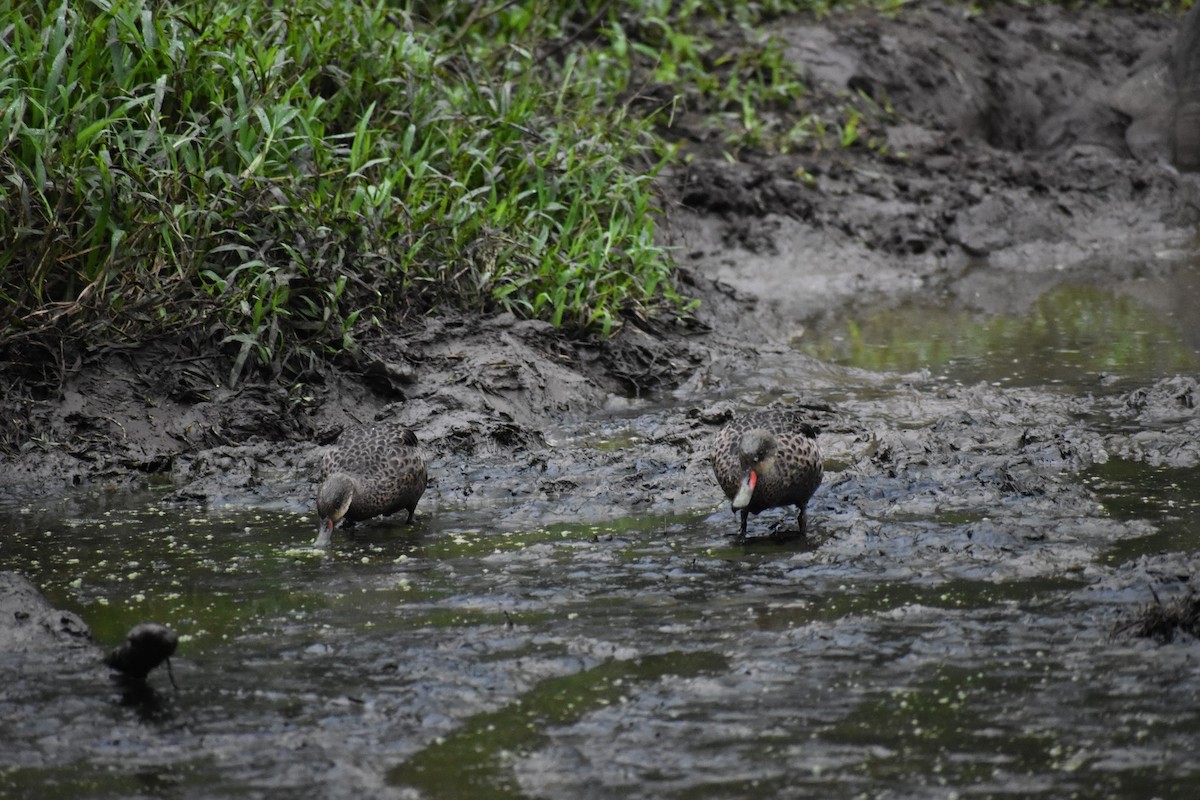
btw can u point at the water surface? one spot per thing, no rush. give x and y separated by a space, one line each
948 630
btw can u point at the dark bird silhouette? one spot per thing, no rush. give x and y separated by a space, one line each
147 645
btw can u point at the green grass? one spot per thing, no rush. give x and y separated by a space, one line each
1169 6
285 175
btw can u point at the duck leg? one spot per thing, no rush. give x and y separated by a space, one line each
802 520
742 529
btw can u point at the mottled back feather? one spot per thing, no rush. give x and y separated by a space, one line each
797 468
385 460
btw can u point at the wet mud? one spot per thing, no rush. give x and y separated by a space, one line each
569 615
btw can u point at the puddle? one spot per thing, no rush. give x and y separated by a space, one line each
1073 334
1169 497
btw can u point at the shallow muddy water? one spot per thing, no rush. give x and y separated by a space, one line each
1047 331
993 509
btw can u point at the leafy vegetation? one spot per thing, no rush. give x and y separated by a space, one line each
282 175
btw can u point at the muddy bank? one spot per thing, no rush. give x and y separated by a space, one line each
952 625
36 630
1005 147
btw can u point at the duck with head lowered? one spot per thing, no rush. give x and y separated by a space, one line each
373 470
767 459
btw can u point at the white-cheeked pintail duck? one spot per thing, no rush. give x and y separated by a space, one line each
373 470
767 459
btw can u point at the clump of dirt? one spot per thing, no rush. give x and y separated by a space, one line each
1169 399
1165 622
30 626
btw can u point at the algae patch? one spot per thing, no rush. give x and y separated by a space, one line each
475 758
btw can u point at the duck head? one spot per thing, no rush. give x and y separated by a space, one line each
756 454
333 501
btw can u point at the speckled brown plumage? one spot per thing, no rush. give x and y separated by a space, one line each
781 450
373 470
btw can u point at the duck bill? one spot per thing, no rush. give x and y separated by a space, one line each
746 490
325 532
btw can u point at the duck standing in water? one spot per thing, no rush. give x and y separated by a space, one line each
375 469
767 459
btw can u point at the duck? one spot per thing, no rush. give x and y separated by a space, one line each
374 470
147 645
767 459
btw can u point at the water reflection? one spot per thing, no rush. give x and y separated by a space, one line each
1072 335
1170 497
